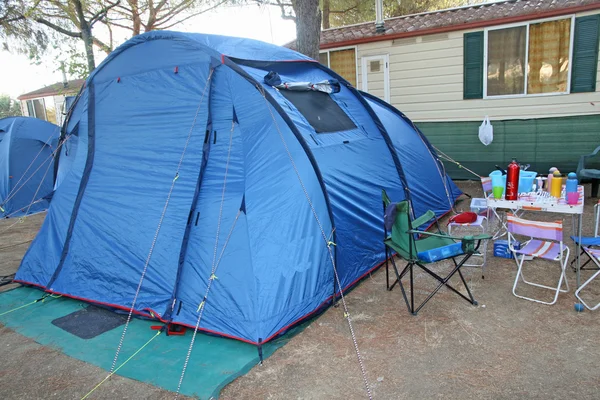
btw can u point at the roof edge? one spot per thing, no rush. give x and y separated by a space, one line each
50 94
462 27
478 5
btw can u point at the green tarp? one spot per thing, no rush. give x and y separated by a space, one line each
214 362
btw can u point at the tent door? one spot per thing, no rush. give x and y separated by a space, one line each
376 76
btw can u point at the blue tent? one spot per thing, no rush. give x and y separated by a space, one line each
26 165
248 185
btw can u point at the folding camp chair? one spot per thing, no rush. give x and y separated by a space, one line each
550 247
588 243
410 245
594 255
481 225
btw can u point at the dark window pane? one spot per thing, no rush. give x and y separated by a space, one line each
320 110
323 59
506 61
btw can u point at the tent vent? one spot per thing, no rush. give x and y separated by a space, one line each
434 38
404 41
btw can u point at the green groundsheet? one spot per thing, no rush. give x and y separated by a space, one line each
214 363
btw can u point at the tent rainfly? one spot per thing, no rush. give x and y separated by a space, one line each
26 165
227 195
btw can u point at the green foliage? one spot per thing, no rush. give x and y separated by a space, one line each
9 107
18 33
348 12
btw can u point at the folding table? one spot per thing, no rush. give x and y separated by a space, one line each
541 201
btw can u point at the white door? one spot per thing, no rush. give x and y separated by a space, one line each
376 76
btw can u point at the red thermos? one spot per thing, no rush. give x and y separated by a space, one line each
512 181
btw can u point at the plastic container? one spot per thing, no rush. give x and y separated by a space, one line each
478 206
572 196
549 180
512 181
526 179
441 253
556 188
571 182
502 250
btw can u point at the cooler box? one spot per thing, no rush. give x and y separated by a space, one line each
440 253
501 248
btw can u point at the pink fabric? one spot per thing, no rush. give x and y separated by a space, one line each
593 252
535 229
542 249
486 183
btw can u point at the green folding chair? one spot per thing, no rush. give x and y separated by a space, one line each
418 247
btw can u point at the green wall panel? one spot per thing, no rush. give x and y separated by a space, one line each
543 143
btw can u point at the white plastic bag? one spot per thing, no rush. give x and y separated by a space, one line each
486 131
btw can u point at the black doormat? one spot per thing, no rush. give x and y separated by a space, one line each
90 322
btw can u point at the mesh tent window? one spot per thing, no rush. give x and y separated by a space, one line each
320 110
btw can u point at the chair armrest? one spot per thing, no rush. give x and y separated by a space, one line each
467 242
476 237
581 164
428 216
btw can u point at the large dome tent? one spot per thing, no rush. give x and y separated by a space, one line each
182 165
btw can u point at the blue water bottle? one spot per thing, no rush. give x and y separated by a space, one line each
572 195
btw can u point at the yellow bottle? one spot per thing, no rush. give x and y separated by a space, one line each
556 187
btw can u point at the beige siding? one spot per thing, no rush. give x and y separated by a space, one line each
426 83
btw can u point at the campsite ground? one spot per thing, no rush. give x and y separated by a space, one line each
504 348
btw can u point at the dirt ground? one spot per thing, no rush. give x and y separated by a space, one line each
503 348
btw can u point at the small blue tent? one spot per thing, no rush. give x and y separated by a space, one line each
248 185
26 165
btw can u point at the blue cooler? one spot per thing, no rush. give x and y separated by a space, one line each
501 248
441 253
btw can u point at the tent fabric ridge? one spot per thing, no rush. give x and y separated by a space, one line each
84 179
329 250
380 127
215 262
162 216
427 143
296 133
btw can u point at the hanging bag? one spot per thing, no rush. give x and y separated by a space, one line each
486 132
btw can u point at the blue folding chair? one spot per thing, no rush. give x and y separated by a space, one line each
589 243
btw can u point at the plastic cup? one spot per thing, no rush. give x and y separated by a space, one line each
497 191
572 198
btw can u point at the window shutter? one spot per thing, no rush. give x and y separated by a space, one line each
473 65
585 54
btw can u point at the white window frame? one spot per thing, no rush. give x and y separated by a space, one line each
386 74
526 74
27 102
43 102
343 48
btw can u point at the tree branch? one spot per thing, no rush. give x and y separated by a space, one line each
58 28
343 11
101 45
102 13
189 16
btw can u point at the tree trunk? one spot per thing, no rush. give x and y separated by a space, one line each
308 27
86 36
135 17
326 23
